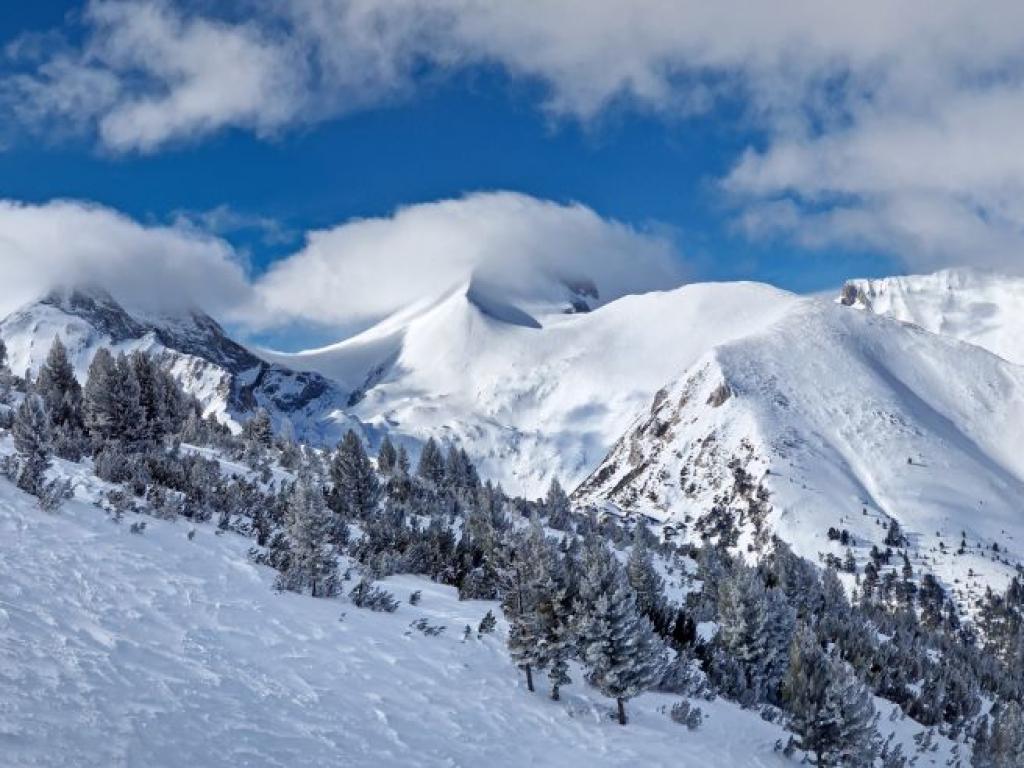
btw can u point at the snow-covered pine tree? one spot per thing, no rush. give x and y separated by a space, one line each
477 551
259 430
856 740
31 432
554 609
431 465
460 474
755 630
62 397
387 456
556 504
402 463
131 426
112 406
622 654
524 575
165 407
356 489
311 561
6 379
831 711
647 583
57 386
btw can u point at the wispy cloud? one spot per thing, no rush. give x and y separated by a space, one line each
224 220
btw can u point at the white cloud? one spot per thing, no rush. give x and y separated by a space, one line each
368 268
67 243
939 187
149 73
355 272
862 108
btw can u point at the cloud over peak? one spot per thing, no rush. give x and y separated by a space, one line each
353 273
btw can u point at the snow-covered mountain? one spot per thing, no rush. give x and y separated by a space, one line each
845 420
983 308
229 380
532 392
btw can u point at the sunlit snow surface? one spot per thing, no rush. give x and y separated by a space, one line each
153 650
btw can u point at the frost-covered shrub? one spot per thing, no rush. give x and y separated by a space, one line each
365 595
686 714
53 494
428 629
113 464
487 624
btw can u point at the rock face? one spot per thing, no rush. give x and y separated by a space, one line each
230 381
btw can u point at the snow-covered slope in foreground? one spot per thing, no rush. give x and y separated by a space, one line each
154 651
982 308
848 420
533 396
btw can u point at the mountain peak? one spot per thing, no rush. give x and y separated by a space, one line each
97 308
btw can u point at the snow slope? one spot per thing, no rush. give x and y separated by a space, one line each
532 396
848 420
983 308
153 650
227 379
156 651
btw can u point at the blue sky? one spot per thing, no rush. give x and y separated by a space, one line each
477 133
749 176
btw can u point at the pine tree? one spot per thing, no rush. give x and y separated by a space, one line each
113 408
59 389
557 623
311 561
855 744
387 457
755 629
131 417
893 535
459 472
622 653
524 574
356 489
402 463
259 430
832 713
31 432
487 624
557 505
431 465
164 406
5 374
646 582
